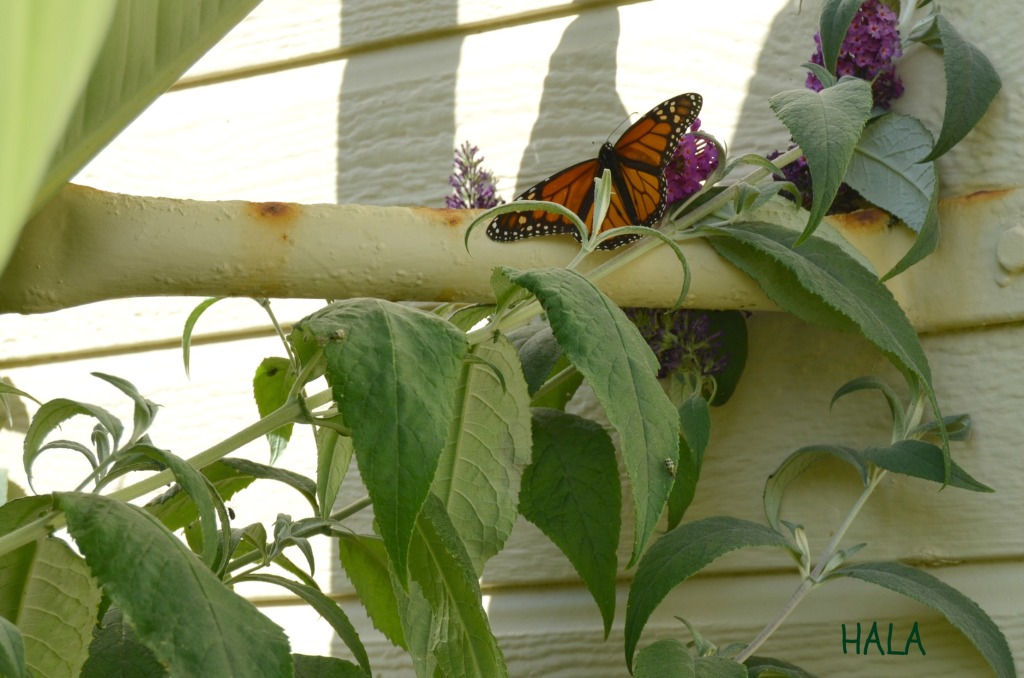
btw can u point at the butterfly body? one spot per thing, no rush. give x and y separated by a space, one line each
636 162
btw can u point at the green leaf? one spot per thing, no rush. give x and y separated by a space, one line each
271 387
145 409
176 606
834 22
47 54
478 474
826 125
891 398
922 460
718 667
769 667
680 554
822 285
208 503
46 590
794 465
115 651
148 47
308 666
958 609
571 492
460 637
366 565
326 608
538 352
694 435
175 509
300 483
333 456
887 170
52 414
971 84
664 659
190 324
732 328
393 371
468 317
12 651
610 353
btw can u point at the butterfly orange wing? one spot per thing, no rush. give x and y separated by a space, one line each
636 161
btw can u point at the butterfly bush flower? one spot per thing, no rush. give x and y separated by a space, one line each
869 52
474 185
693 162
682 341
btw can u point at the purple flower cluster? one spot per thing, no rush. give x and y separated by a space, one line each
474 185
693 162
869 52
681 340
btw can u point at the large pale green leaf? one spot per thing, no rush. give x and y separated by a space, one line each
961 611
618 364
571 492
149 46
393 371
478 474
886 168
175 605
826 125
680 554
453 625
47 50
46 590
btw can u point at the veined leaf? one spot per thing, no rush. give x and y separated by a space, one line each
571 492
826 125
459 636
478 474
46 590
309 666
888 170
175 605
680 554
393 371
12 651
610 353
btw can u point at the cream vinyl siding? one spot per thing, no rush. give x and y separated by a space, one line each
322 101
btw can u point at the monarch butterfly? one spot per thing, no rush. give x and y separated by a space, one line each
637 163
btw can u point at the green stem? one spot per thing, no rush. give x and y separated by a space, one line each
814 578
